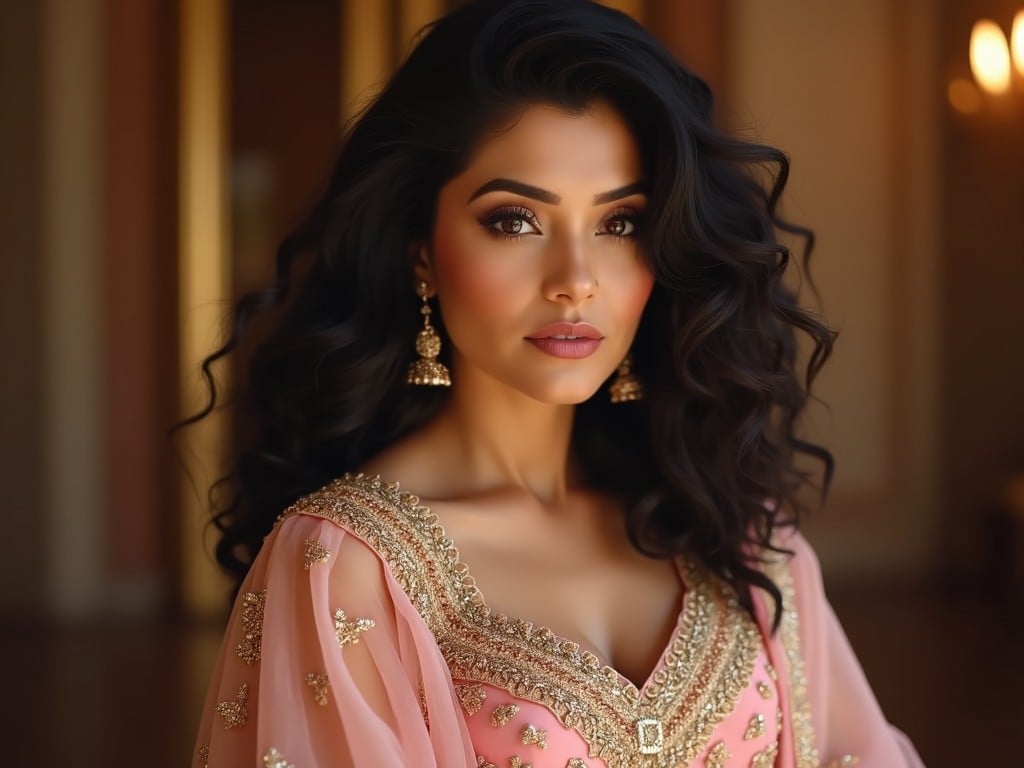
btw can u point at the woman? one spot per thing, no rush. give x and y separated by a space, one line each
597 417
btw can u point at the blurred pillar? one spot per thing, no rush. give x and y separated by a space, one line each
204 280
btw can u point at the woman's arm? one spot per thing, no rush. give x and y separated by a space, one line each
326 662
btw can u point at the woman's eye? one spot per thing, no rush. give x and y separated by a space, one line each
512 222
620 226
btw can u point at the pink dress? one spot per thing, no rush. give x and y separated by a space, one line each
359 639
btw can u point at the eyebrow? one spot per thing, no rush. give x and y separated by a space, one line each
544 196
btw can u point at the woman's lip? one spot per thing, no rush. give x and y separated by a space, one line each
567 332
568 348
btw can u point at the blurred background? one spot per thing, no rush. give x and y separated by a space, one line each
154 152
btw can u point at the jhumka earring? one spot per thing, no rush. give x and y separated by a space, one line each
426 371
627 386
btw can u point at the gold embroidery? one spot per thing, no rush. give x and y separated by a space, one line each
533 735
800 708
766 757
315 553
348 631
204 755
755 727
772 672
253 605
515 762
274 759
708 662
423 704
778 718
471 696
764 689
842 761
319 685
234 712
717 757
482 762
501 715
575 762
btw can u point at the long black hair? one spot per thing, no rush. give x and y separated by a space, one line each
707 461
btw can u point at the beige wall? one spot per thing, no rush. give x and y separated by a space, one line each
847 90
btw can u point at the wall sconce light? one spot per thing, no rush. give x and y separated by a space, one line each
993 60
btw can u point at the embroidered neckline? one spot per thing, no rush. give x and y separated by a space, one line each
669 720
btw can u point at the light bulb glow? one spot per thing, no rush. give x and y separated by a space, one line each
990 57
1017 41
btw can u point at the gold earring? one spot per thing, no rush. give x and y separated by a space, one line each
426 371
627 386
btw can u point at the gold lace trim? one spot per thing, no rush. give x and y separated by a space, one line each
799 704
709 661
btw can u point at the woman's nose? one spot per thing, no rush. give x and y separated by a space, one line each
570 278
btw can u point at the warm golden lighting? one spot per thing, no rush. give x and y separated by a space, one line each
990 57
964 96
1017 41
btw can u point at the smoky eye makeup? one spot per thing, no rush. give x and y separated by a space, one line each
510 221
622 223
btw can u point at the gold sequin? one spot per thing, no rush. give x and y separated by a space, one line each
319 685
253 605
501 715
576 762
772 672
204 755
717 757
315 552
778 718
755 727
471 697
483 762
274 759
707 665
764 689
348 631
515 762
533 735
843 761
234 712
766 757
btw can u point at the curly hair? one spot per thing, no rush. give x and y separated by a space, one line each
707 461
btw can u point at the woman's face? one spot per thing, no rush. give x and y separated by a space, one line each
535 257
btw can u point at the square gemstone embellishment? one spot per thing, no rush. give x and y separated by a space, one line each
649 737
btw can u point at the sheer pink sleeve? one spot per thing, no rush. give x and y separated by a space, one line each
845 715
325 661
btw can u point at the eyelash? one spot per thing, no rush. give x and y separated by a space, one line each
505 213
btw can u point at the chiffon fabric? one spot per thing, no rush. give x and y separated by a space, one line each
359 639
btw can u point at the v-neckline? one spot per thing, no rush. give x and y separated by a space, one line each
698 679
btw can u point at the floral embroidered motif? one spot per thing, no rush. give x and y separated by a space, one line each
515 762
576 762
274 759
318 683
482 762
764 689
533 735
766 757
315 552
717 757
501 715
253 605
204 755
843 761
471 696
234 712
755 727
348 631
708 662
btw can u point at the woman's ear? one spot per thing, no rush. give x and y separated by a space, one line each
422 264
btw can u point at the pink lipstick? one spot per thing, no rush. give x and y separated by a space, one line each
568 340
